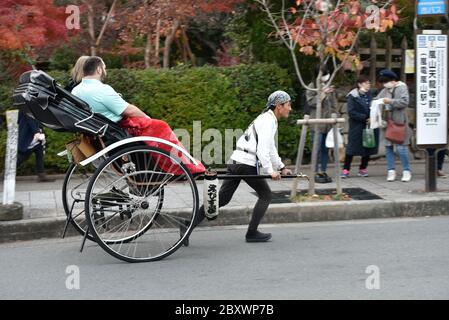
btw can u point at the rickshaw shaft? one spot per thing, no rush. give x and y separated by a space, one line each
255 176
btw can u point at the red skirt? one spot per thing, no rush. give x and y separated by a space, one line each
143 126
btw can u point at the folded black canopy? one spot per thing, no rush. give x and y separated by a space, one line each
40 97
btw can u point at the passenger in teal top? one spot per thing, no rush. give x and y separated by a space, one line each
106 101
102 98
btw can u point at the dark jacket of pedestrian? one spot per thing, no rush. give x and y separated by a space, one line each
28 127
358 105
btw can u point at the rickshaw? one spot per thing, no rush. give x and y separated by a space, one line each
137 201
120 197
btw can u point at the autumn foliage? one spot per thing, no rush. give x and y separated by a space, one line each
325 28
30 23
166 20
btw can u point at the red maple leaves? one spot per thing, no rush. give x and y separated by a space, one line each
319 28
30 23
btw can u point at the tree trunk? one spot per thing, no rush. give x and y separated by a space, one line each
182 48
147 56
316 136
168 43
108 17
91 27
316 141
157 41
187 48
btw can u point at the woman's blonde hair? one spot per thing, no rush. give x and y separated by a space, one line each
77 72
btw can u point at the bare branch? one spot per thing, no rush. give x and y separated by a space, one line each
266 8
284 21
108 17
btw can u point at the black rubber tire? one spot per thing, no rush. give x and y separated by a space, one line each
104 244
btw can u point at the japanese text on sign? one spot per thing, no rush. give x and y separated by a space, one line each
431 77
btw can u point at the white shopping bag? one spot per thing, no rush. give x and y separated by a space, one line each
330 139
376 114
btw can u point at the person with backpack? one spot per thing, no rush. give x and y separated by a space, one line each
255 154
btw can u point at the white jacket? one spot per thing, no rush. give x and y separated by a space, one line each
265 126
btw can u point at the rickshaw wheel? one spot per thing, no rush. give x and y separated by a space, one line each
126 210
73 194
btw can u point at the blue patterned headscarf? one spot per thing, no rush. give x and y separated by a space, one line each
277 97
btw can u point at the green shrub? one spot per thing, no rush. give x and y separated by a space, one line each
221 98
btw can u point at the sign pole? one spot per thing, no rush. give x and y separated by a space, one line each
431 171
431 60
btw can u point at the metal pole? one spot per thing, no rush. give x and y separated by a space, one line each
336 155
302 143
431 170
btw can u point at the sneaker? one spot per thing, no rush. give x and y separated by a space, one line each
257 236
363 173
406 176
328 179
320 178
441 174
391 175
344 174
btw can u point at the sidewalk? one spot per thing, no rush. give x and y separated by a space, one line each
44 214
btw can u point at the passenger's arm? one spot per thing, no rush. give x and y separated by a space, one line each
132 111
115 103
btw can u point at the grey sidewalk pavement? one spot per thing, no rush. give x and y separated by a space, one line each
44 214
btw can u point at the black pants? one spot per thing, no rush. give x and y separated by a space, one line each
230 186
38 150
348 161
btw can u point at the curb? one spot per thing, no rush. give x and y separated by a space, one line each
332 211
33 229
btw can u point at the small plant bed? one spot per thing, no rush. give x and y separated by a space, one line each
323 195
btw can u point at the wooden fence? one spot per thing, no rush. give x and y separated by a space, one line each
393 58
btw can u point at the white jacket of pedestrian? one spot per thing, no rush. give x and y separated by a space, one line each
265 126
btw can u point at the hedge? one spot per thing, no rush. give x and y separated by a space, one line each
222 98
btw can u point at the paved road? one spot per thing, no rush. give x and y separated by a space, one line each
325 260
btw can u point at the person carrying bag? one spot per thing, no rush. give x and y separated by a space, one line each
395 97
395 132
368 138
362 141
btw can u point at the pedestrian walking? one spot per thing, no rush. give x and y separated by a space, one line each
31 140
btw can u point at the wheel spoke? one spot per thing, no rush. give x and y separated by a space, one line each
127 207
